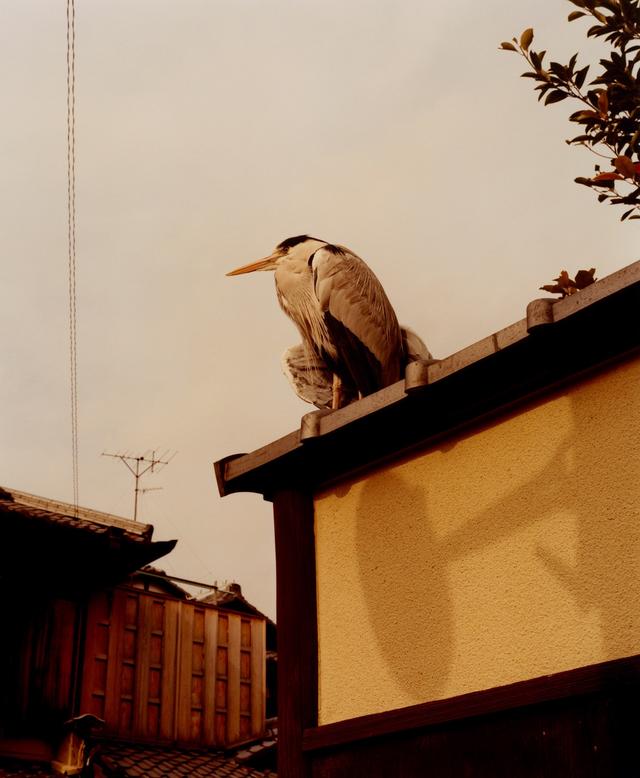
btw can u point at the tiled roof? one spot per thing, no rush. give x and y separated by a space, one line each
10 768
232 599
64 514
49 543
122 760
159 578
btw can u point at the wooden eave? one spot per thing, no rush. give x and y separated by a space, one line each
61 552
559 341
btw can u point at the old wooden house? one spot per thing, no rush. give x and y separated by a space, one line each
458 575
83 635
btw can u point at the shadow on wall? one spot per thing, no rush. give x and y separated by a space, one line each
572 525
404 621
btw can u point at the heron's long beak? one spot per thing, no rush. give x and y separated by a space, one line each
268 263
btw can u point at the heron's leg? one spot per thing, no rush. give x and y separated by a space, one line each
338 394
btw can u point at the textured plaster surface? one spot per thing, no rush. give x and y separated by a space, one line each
504 554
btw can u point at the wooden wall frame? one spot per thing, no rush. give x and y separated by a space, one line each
297 628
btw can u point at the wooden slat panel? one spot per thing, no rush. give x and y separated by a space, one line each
114 663
258 676
88 681
245 665
210 650
223 629
221 728
166 677
245 633
221 696
127 659
141 688
185 650
169 689
59 669
233 681
197 675
245 699
245 727
222 661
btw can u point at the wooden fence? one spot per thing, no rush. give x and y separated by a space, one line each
163 670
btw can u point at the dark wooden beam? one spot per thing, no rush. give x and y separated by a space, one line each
297 628
605 677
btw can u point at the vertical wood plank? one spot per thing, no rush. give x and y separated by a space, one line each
169 692
141 688
297 628
258 676
114 670
210 655
233 680
87 681
185 651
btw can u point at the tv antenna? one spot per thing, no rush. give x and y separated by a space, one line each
146 463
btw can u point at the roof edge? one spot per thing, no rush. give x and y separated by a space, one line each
517 360
69 510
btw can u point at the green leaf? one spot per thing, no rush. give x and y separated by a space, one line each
526 38
575 15
626 214
506 46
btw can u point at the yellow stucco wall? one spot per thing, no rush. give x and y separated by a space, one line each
504 554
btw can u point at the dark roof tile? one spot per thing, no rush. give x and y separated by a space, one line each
137 761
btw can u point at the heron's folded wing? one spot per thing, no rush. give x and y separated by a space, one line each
310 378
359 317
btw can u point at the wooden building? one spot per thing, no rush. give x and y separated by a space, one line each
83 635
458 558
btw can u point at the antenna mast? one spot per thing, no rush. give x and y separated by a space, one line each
141 465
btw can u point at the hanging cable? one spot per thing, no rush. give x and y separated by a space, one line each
71 225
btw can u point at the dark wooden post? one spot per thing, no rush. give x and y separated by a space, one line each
297 628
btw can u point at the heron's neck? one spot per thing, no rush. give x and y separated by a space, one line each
294 285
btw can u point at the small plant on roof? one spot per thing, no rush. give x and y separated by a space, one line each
565 286
609 104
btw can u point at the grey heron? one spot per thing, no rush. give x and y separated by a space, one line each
352 344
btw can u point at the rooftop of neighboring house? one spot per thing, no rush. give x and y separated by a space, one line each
230 597
154 579
52 543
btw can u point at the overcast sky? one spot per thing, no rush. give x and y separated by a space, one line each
206 133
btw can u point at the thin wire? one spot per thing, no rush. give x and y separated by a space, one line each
71 227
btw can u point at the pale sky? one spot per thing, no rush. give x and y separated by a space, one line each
209 131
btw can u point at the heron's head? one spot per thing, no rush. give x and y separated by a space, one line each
300 248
